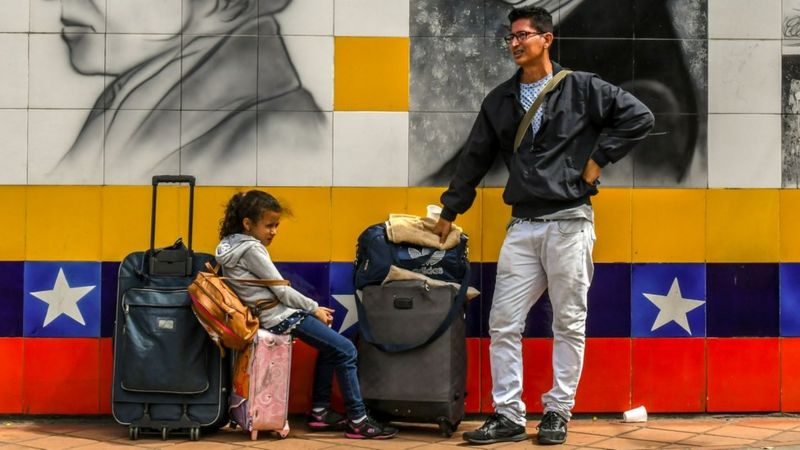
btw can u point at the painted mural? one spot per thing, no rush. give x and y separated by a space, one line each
353 109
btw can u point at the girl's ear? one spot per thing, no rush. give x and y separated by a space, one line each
247 224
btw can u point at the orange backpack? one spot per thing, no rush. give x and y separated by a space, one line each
226 319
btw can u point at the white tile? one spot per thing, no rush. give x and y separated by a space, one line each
45 16
224 80
54 82
307 18
312 57
370 149
295 148
140 144
219 149
127 51
14 16
744 76
146 16
744 19
744 151
371 18
14 151
14 71
54 155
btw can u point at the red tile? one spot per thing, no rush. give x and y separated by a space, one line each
669 374
790 373
106 371
537 368
605 384
61 376
11 374
304 359
743 374
472 403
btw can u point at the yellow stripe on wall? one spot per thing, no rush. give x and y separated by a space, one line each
371 74
105 223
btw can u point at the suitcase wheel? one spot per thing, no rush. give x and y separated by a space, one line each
194 433
133 433
285 431
254 435
446 427
164 433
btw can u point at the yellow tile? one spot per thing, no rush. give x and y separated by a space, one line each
495 216
209 208
420 198
63 223
354 209
790 224
612 209
12 222
371 74
305 234
126 220
669 225
743 225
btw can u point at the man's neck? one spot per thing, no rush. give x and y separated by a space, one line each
535 72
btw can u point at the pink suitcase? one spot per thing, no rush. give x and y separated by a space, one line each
262 372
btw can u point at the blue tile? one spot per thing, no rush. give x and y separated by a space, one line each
668 300
11 280
742 300
610 301
474 319
62 299
108 297
345 319
539 320
310 279
790 299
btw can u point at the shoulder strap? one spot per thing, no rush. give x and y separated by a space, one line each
253 281
526 120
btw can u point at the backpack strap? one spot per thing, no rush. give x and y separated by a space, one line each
526 120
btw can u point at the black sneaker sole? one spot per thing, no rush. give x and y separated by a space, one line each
515 438
550 441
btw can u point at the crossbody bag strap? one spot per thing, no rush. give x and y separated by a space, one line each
526 120
253 281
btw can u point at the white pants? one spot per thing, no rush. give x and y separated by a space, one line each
536 256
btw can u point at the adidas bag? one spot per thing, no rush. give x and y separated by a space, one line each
375 254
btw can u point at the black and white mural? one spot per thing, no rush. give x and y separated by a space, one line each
191 86
791 93
656 49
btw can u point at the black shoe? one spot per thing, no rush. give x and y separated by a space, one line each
497 428
369 428
327 420
552 429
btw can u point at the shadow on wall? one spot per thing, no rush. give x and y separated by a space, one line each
656 49
193 98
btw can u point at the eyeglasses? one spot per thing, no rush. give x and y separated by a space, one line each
522 36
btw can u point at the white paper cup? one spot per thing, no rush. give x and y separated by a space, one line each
434 211
635 415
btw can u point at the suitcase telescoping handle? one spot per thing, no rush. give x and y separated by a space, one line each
159 179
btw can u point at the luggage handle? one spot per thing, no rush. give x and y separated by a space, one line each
366 332
158 179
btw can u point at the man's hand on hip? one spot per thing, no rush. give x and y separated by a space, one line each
442 229
591 172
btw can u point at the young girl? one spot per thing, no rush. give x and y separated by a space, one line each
249 226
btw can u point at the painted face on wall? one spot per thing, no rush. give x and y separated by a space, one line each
135 31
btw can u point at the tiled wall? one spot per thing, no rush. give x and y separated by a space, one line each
347 110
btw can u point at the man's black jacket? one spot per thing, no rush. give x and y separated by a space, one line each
583 117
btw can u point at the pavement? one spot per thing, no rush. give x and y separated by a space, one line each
585 432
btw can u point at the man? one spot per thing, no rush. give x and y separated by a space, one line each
584 124
194 82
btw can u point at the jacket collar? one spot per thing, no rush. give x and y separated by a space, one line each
510 87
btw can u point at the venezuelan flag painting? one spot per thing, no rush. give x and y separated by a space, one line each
348 111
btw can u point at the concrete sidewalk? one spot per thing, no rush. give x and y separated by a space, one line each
750 431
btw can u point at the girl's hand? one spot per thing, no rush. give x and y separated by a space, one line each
324 315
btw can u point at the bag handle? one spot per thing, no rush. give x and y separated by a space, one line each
158 179
526 120
458 304
253 281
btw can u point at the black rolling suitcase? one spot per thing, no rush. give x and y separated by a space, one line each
168 375
412 352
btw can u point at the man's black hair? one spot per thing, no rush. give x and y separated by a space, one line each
539 17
